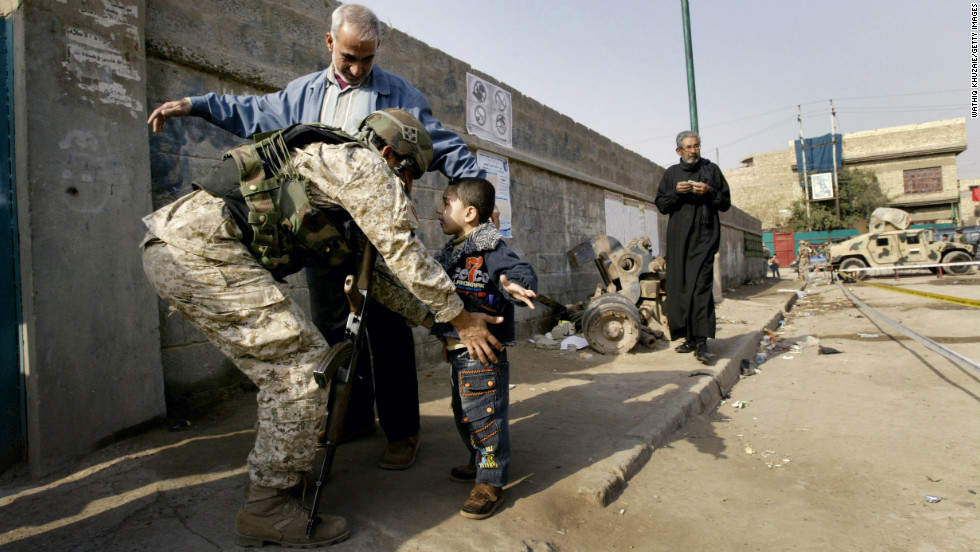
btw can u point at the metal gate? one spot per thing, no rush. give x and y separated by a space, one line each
783 248
12 432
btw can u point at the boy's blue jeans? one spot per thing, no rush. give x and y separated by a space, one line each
480 401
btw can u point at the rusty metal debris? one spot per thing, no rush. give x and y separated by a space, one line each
627 308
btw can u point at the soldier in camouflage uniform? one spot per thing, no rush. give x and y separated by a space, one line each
342 95
194 255
803 254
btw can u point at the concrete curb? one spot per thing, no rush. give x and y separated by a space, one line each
602 482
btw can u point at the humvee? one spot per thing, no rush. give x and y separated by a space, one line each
890 242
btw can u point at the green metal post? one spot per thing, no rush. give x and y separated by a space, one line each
692 96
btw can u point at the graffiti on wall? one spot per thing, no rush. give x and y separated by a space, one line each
101 58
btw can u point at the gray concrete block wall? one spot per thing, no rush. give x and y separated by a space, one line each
92 363
245 41
736 267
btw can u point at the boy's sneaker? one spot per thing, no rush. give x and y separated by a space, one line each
463 474
484 500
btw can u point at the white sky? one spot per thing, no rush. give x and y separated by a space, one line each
618 67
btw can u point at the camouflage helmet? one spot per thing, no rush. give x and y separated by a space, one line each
404 133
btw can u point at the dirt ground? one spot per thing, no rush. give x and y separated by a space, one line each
831 452
813 452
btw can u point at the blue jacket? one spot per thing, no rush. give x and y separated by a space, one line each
302 99
475 269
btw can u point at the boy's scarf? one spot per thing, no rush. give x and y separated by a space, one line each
484 237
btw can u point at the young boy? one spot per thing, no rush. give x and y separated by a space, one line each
489 278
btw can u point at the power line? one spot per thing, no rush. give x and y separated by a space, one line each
754 134
903 95
713 126
824 112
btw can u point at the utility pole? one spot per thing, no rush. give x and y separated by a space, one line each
806 183
833 145
692 96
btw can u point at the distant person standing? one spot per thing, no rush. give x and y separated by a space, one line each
774 267
692 193
803 254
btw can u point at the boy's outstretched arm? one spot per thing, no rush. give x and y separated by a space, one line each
518 292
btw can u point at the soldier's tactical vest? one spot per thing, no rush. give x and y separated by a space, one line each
271 204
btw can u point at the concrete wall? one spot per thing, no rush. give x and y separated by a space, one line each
103 356
740 256
90 333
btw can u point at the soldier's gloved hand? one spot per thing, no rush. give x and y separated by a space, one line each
473 332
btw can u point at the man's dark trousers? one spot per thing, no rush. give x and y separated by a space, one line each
394 384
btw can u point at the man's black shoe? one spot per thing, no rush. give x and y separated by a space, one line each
701 352
686 347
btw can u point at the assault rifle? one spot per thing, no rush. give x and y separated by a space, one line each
338 369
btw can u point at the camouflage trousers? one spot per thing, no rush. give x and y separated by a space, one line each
240 310
802 267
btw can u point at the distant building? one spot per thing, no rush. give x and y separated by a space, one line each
915 165
970 202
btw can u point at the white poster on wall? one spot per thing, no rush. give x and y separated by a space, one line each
489 113
628 218
822 186
498 173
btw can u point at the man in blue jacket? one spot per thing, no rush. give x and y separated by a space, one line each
342 96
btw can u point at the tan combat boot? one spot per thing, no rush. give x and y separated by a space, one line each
276 516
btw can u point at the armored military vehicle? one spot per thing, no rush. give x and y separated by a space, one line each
890 242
